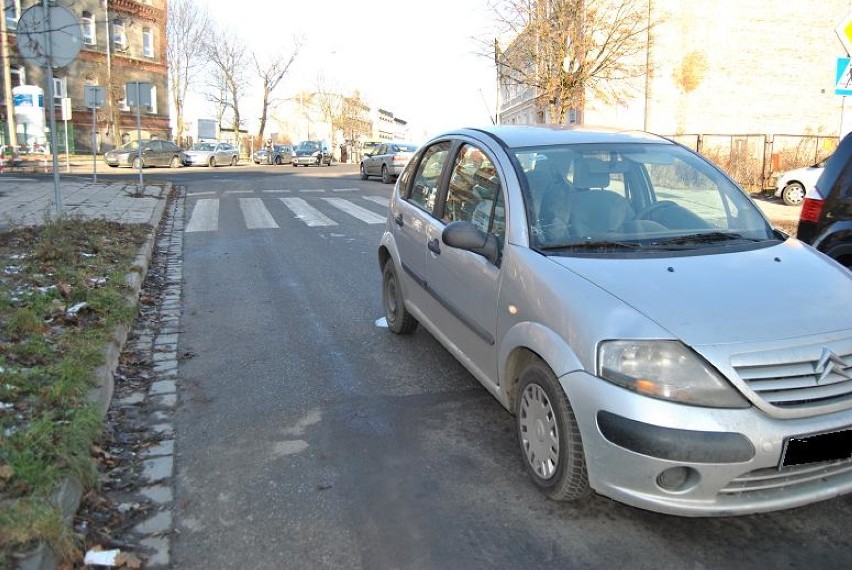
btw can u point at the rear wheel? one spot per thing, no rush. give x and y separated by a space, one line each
234 160
549 435
793 194
386 177
397 316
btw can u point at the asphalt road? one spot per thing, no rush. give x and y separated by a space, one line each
308 436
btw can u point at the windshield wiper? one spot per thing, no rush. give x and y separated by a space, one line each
602 245
702 237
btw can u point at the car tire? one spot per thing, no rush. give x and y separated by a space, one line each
137 162
386 177
175 163
212 162
364 174
399 320
793 194
277 161
234 160
549 436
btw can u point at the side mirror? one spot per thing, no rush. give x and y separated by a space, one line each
466 236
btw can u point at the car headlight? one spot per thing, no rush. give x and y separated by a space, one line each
667 370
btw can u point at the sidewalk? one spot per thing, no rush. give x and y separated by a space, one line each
30 200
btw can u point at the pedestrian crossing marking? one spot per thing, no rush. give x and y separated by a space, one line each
380 200
356 211
205 216
307 213
256 215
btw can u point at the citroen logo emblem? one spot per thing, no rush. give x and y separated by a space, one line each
828 364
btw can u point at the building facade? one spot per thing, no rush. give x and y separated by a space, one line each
123 41
722 67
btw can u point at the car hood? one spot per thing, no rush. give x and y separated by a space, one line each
806 174
772 293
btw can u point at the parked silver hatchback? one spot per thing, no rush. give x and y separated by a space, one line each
619 294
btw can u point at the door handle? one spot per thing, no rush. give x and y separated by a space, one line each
434 246
399 220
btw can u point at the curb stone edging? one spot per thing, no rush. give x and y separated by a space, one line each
69 494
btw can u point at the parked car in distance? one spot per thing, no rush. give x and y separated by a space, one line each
825 221
211 154
794 184
281 154
387 160
309 153
154 153
604 286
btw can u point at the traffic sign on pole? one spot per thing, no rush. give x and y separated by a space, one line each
843 77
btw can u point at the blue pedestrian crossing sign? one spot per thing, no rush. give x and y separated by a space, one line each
843 77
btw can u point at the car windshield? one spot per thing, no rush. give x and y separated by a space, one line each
308 146
652 196
204 146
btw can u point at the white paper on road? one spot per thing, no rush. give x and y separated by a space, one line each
307 213
255 214
380 200
205 216
101 557
355 211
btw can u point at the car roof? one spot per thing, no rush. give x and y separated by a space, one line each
519 136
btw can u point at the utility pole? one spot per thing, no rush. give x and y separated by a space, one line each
111 126
7 78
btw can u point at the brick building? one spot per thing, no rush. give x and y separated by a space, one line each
123 41
725 67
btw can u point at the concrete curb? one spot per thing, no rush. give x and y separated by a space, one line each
70 492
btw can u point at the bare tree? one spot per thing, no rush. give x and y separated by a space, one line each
228 57
271 73
565 49
187 30
328 99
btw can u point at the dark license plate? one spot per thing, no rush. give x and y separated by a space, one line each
818 448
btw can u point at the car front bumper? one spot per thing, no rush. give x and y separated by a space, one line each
307 160
725 461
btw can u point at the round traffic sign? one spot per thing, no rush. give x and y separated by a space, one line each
54 36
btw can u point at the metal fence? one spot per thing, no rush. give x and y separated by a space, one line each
755 161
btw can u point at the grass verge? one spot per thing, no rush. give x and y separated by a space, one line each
62 293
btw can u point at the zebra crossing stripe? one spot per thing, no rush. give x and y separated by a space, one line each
205 216
355 211
307 213
255 214
380 200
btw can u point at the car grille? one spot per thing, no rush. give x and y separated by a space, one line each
814 378
772 479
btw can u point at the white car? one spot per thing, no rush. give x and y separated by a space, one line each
794 184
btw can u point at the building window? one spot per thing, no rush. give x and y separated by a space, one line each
13 12
147 42
18 76
153 108
87 24
119 35
60 88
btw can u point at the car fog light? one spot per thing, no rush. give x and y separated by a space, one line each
677 479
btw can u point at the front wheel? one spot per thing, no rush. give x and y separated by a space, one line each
549 435
137 163
212 162
175 162
397 316
793 194
363 173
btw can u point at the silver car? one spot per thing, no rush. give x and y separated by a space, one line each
611 290
211 154
386 160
